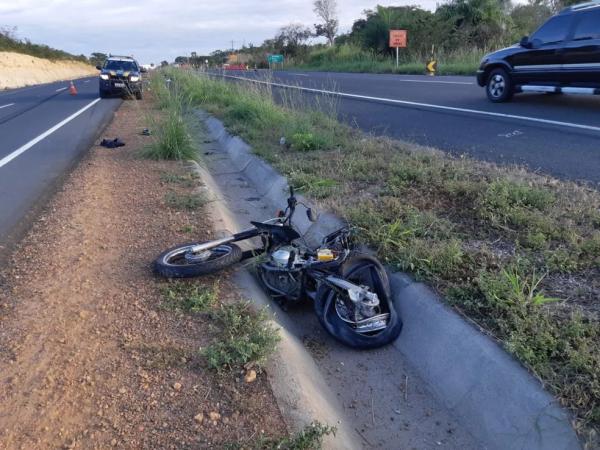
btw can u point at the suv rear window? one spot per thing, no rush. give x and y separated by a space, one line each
588 26
121 65
555 30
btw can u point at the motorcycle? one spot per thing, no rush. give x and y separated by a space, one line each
350 291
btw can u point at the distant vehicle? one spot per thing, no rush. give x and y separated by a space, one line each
562 56
120 75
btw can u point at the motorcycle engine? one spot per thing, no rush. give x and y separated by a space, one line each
284 281
281 256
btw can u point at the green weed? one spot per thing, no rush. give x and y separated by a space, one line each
245 337
190 297
310 438
189 202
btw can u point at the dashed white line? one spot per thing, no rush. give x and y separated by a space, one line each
61 89
426 105
7 105
45 134
86 81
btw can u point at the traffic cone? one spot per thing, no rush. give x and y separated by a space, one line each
72 89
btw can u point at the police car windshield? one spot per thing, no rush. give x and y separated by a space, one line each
120 65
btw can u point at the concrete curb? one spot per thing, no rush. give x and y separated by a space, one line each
495 398
301 392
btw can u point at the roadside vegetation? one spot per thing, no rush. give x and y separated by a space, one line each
171 137
309 438
456 34
517 253
353 58
10 43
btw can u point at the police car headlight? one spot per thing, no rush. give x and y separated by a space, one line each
104 76
134 78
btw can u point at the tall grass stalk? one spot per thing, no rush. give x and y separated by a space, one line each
171 138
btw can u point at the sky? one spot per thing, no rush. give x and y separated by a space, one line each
156 30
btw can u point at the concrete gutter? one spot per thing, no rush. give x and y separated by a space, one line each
302 394
495 398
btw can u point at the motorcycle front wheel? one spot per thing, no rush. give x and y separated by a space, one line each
180 262
367 271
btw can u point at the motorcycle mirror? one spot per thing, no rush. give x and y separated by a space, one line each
312 215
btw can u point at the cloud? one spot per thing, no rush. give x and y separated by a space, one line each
154 30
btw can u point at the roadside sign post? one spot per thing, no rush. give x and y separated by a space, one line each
275 59
397 41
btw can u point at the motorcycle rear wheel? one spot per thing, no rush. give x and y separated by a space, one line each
173 263
355 270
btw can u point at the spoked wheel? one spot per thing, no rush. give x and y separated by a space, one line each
337 316
499 86
181 262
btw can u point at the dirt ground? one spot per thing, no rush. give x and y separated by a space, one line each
88 357
17 70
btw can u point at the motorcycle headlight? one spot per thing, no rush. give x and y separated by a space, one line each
104 76
134 78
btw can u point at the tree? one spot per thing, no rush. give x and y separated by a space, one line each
164 64
291 39
527 18
326 10
97 58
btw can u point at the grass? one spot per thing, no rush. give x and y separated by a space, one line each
518 253
309 438
349 58
185 202
171 139
187 180
246 338
190 298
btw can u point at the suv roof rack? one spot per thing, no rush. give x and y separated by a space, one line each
582 6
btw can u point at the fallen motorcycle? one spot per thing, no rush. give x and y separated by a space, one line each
350 291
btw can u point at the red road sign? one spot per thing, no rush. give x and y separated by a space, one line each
397 38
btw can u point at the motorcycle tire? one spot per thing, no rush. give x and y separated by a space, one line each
172 263
331 321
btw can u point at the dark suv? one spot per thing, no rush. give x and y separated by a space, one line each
562 56
120 75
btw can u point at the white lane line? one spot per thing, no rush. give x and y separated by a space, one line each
299 74
7 105
4 161
86 81
61 89
427 105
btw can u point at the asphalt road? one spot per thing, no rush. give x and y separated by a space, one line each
558 135
43 132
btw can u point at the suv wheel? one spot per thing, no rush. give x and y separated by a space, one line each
499 86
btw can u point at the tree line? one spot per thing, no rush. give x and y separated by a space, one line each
455 25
